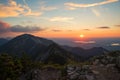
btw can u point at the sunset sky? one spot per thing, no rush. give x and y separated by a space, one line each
60 18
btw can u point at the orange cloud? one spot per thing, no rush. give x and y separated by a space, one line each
12 9
73 6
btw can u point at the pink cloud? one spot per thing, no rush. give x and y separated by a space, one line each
4 27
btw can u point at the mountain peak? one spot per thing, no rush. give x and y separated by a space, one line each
26 35
37 48
27 43
33 39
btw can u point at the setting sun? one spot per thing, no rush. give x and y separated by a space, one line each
81 36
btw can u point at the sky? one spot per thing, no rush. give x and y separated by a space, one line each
60 18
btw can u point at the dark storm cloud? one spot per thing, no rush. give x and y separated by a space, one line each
103 27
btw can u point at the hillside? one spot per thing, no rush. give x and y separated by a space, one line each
37 48
3 41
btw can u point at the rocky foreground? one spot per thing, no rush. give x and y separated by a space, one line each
87 72
102 68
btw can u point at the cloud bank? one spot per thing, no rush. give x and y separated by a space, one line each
72 6
5 27
20 28
115 44
103 27
86 29
56 30
85 42
14 9
117 25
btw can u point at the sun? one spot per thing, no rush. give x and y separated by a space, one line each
81 36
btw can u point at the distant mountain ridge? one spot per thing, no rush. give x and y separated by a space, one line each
42 49
86 53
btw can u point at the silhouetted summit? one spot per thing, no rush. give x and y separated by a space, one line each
26 43
36 47
35 39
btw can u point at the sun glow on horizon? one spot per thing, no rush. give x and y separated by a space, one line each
82 36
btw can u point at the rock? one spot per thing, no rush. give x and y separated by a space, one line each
90 77
95 72
43 74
